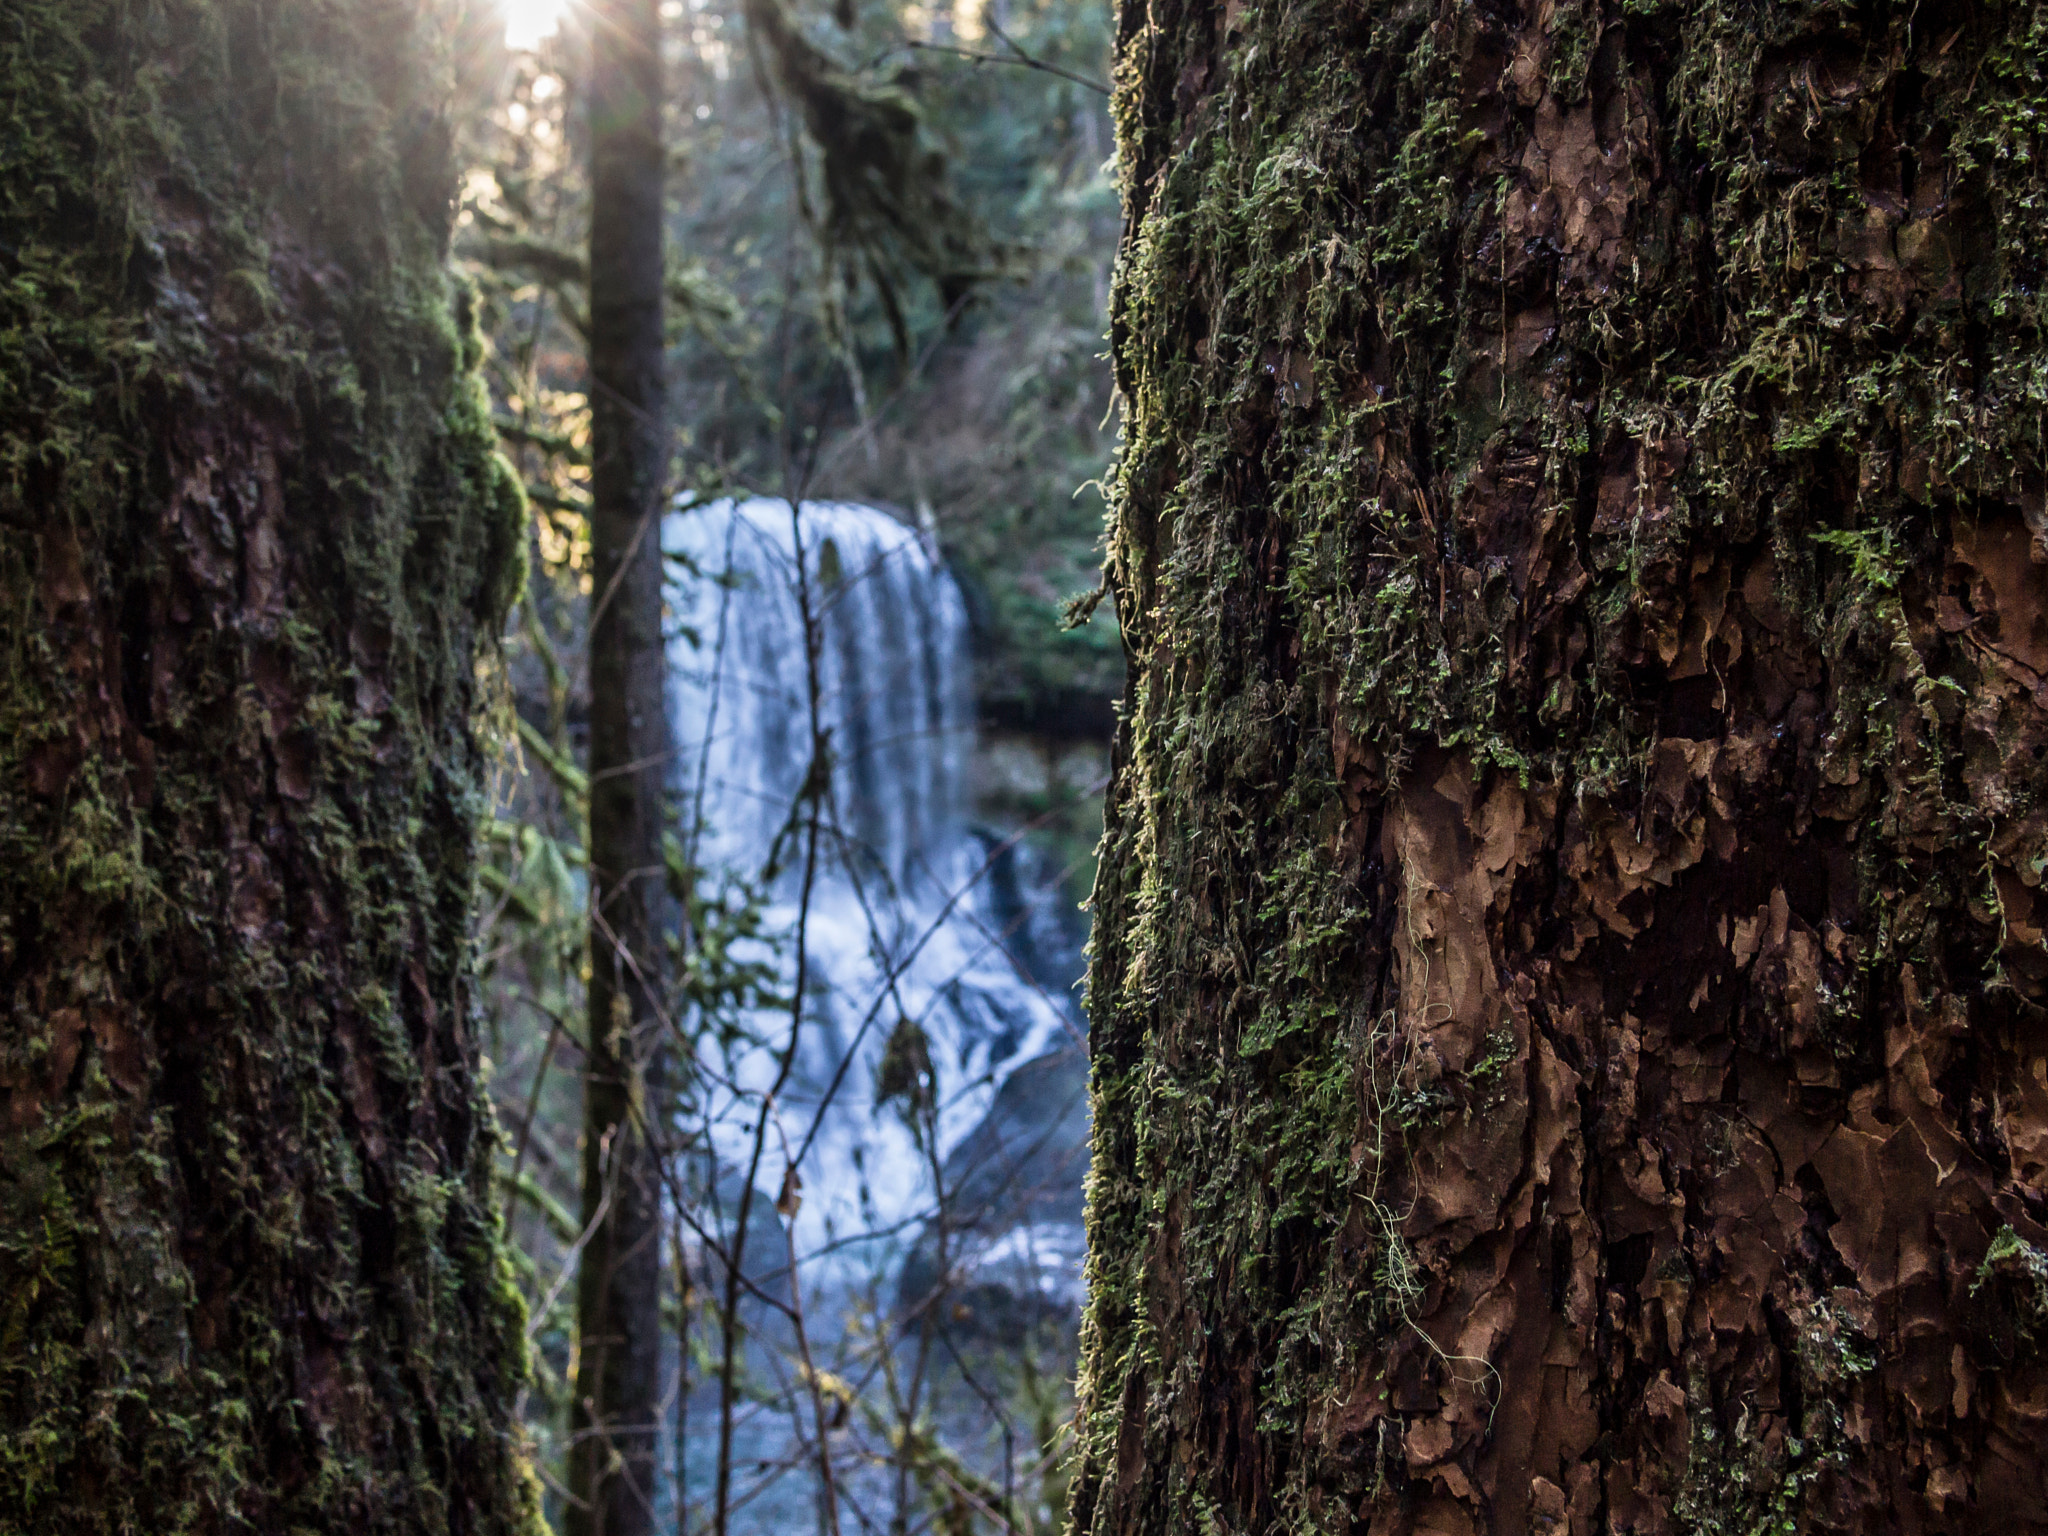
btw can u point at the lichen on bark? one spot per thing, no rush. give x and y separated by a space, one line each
254 538
1568 980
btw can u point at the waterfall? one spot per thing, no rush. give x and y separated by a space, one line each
901 924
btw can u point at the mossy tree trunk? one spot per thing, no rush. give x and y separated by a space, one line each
253 538
634 918
1568 993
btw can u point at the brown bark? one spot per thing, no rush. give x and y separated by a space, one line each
634 918
253 541
1569 979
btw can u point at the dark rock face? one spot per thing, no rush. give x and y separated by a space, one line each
1012 1236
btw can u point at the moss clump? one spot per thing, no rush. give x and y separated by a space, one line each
2024 1269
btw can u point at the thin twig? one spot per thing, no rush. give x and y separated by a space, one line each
816 780
1020 58
626 560
540 1313
810 1369
540 1077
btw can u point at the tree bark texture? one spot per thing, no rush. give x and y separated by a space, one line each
254 536
1568 992
634 916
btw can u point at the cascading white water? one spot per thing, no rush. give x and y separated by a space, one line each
897 926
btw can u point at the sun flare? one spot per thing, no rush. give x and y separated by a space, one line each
528 21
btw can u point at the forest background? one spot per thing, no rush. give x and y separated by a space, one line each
946 367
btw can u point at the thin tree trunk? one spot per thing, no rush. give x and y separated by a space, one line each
1569 977
613 1464
253 538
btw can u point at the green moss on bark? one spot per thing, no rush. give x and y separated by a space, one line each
253 539
1497 382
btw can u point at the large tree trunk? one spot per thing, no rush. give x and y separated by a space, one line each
1568 1033
253 534
633 916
